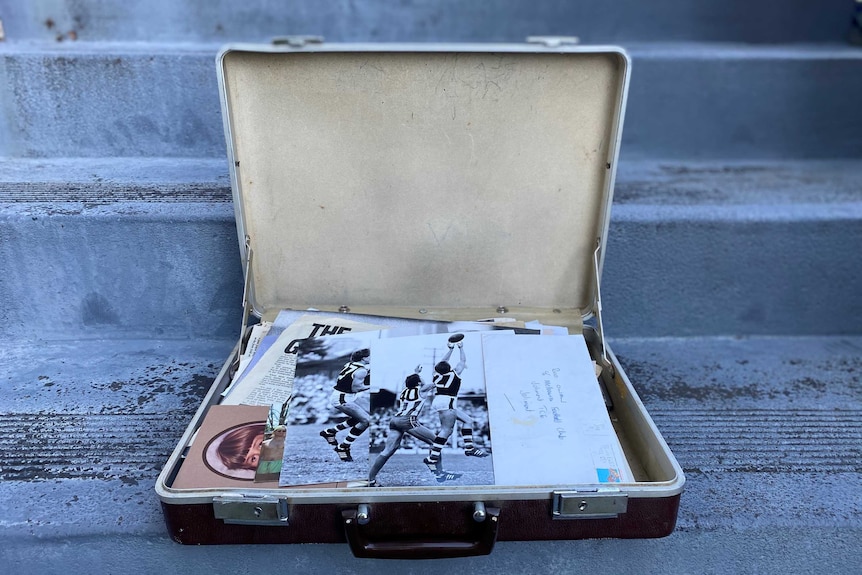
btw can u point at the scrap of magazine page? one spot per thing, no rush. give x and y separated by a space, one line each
270 379
266 366
229 448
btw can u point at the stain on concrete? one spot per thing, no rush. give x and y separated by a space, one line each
96 310
741 380
119 442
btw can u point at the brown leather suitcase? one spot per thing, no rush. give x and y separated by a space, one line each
444 182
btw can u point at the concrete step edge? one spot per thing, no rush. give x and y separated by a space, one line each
685 50
101 180
661 183
697 101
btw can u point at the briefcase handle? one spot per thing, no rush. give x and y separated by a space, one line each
480 541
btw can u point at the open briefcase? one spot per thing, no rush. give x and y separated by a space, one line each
445 182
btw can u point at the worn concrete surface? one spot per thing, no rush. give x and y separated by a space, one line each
148 247
766 429
686 101
724 184
766 551
708 183
104 181
87 426
764 21
138 268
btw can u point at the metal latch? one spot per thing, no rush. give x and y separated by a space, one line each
297 41
553 41
248 510
589 504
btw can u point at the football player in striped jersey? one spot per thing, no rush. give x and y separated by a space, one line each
353 380
447 383
410 402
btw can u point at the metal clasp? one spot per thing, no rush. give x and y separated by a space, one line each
249 510
598 504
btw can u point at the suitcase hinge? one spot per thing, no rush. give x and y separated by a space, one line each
594 504
298 41
553 41
251 510
606 363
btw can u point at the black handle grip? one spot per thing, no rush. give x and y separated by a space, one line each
481 541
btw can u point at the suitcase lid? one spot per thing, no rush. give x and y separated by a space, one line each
423 180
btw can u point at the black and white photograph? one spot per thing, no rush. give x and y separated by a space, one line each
429 418
329 417
420 419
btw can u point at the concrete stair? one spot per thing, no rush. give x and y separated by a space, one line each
731 285
594 21
766 429
148 247
743 152
686 101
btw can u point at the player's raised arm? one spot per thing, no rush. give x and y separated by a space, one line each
448 353
424 386
463 362
456 339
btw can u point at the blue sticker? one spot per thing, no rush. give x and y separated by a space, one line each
608 475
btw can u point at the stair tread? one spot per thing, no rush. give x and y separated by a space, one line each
649 182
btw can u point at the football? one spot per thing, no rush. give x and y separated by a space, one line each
455 338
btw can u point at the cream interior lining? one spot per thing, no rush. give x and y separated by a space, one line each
423 179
